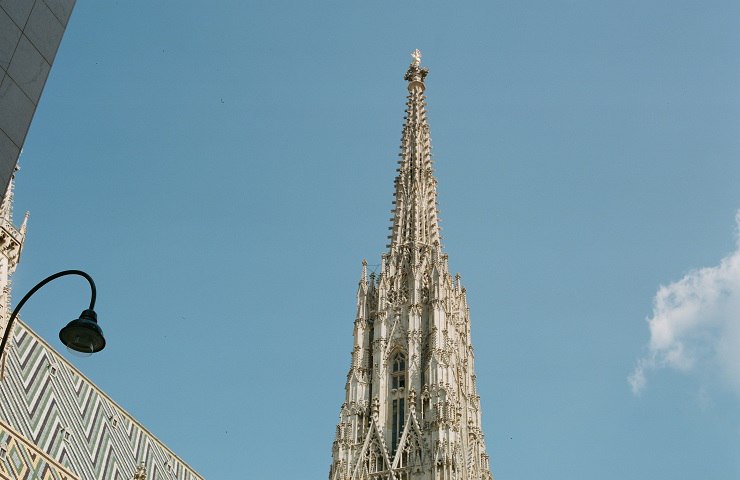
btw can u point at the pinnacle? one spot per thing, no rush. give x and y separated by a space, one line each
416 73
415 214
363 275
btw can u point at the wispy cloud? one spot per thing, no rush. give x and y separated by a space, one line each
695 325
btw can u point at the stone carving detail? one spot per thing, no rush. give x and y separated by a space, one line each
416 55
425 289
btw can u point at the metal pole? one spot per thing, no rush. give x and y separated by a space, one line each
43 282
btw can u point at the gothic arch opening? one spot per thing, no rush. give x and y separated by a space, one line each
397 412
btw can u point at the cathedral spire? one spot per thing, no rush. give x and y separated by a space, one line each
411 409
11 245
415 221
6 206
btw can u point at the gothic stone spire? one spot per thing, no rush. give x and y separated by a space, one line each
11 245
411 409
415 214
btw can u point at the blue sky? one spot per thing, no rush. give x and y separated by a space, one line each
221 170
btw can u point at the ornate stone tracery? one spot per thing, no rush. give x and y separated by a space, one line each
11 245
426 423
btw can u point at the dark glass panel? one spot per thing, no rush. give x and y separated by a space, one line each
394 430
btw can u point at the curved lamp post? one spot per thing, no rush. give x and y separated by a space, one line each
81 335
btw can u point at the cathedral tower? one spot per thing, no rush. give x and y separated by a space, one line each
11 244
411 410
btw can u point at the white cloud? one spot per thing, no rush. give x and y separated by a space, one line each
695 325
637 378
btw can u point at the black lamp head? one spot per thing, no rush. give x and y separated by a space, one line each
83 335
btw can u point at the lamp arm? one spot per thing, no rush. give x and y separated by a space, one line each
35 289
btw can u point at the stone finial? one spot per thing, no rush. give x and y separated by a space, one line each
416 73
416 55
24 225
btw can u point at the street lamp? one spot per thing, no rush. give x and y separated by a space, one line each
82 334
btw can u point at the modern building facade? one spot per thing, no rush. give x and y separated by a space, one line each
30 34
411 408
55 424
